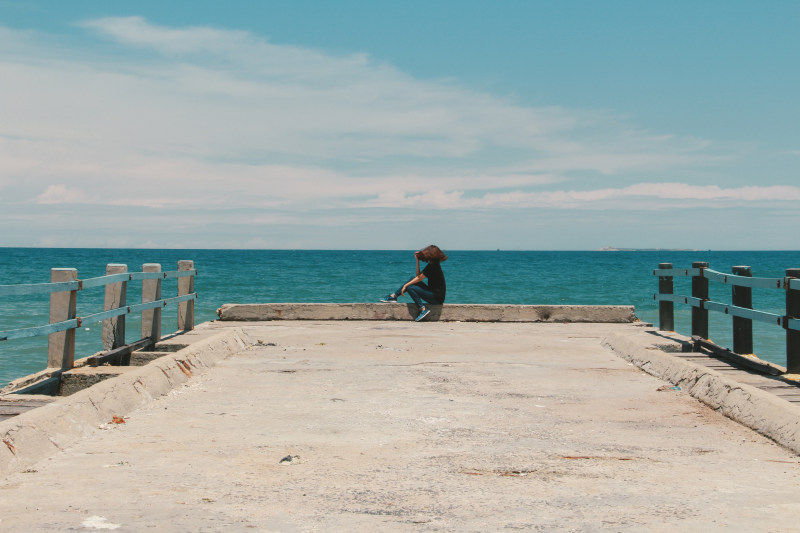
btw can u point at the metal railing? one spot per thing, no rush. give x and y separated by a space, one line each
740 309
64 287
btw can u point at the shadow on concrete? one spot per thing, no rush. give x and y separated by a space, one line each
434 316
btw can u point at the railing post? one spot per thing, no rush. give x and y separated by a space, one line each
742 327
700 290
63 306
666 318
792 336
151 291
186 309
116 296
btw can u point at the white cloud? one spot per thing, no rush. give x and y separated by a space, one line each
210 99
208 119
61 194
774 193
634 197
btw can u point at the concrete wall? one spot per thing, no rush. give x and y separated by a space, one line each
448 312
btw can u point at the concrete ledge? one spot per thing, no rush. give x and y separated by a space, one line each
77 379
446 313
771 416
143 358
36 434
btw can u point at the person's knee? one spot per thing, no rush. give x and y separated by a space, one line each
412 293
415 292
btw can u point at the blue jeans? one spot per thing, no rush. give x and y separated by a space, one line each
419 292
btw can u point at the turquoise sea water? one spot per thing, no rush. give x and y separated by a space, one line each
498 277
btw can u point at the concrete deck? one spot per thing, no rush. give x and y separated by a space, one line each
398 426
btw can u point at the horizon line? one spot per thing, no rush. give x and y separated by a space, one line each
289 249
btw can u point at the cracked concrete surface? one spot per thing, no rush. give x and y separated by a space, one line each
745 403
414 427
38 432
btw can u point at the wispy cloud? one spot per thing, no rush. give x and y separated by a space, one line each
206 118
634 197
61 194
214 97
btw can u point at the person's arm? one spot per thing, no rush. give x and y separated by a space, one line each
419 277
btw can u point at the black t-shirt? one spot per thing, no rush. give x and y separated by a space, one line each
433 271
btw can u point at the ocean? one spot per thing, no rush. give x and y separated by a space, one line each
495 277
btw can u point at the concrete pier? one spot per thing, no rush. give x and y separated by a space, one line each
399 426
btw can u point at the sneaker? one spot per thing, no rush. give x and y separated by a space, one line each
389 299
423 312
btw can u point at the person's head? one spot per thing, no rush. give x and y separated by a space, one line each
432 254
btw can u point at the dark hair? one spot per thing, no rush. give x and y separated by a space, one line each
432 254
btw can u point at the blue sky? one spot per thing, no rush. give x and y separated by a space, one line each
362 125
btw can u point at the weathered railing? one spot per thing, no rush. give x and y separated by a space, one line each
741 308
64 287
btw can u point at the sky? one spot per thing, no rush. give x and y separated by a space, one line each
474 125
